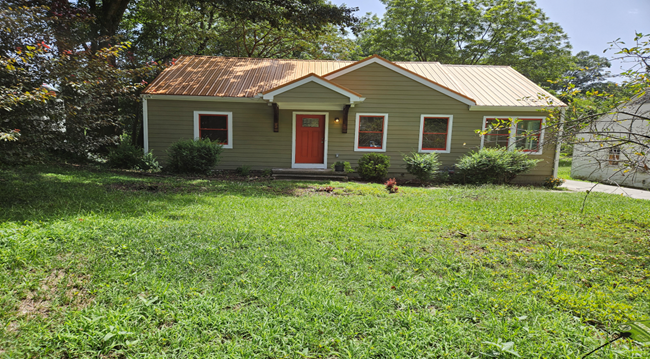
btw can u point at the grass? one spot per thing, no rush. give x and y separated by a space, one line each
102 264
564 168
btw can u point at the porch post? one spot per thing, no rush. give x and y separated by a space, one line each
276 118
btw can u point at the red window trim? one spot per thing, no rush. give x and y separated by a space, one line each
383 120
446 133
213 129
538 135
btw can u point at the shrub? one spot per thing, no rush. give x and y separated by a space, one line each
553 182
148 163
125 156
346 166
492 165
190 156
373 166
243 170
423 166
391 185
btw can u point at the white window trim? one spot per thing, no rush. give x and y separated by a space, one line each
230 129
356 133
513 131
293 141
450 119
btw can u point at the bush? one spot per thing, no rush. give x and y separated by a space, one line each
243 170
553 182
125 156
391 185
190 156
423 166
346 166
148 163
492 165
373 166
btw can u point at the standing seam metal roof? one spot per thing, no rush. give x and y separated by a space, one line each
248 77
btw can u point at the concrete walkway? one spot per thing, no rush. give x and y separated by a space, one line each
579 186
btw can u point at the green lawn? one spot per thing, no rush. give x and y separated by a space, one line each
101 264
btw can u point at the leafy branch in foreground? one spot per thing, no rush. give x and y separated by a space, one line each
610 129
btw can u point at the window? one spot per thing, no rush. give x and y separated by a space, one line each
370 134
614 155
528 134
498 134
216 126
435 133
520 133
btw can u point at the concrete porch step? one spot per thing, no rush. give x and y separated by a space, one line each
310 178
308 174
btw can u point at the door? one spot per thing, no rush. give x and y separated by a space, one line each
310 139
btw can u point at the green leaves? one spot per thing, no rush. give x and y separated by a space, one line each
495 32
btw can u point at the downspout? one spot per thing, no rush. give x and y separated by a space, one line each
145 124
558 143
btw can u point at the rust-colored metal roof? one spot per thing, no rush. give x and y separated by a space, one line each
234 76
248 77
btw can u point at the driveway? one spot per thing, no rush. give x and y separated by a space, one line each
580 186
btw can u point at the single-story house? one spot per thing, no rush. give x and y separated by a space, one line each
278 113
615 149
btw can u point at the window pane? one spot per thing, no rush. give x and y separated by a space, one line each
495 141
216 135
367 123
310 122
434 142
214 121
372 140
528 126
528 143
527 138
437 125
498 127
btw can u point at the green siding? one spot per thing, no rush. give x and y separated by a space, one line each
311 92
254 142
405 100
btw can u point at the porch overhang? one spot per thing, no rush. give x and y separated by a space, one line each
352 97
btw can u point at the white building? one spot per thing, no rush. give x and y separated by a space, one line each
616 148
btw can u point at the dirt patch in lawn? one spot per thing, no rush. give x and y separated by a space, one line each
57 287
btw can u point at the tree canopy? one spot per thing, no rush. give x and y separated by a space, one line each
496 32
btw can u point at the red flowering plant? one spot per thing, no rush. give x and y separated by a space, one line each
391 185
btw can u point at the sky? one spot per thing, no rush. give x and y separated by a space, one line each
590 24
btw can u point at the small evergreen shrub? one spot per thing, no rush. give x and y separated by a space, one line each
346 166
553 182
125 156
493 165
190 156
243 170
373 166
424 166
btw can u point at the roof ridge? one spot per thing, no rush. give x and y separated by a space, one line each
476 65
263 58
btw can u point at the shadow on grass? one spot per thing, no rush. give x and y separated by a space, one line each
43 193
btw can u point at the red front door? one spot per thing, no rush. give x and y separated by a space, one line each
310 138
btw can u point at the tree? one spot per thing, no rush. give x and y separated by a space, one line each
587 72
60 100
164 29
612 128
495 32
